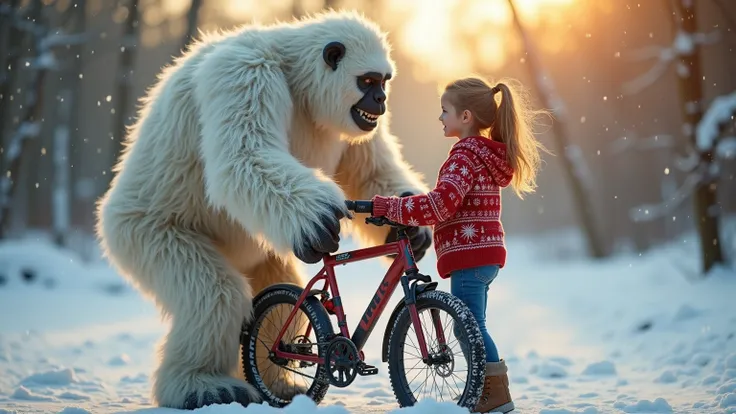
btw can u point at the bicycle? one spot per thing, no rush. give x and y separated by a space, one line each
339 357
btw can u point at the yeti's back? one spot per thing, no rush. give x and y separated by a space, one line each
160 173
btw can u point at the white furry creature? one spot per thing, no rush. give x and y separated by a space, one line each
239 163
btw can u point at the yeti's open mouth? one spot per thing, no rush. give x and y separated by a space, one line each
365 120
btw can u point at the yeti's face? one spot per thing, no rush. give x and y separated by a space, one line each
372 104
360 81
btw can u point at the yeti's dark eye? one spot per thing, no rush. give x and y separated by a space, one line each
370 80
364 82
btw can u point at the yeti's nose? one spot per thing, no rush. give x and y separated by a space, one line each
380 97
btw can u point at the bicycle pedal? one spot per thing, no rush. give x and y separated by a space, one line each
365 369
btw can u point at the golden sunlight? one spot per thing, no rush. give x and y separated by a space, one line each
453 36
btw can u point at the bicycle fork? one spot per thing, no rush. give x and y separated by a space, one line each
410 294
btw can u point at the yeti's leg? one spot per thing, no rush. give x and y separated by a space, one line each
207 301
282 382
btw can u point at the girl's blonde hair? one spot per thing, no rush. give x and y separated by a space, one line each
509 122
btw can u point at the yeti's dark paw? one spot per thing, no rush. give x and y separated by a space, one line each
219 395
327 231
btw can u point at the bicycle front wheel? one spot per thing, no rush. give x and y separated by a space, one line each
454 371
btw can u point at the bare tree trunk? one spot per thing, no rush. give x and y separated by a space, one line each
10 47
124 79
192 22
691 97
30 124
62 188
75 144
74 20
571 156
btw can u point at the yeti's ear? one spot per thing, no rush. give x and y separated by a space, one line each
332 53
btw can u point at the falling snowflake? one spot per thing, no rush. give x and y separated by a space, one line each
413 222
469 232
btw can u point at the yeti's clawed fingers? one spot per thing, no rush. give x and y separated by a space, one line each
327 239
224 396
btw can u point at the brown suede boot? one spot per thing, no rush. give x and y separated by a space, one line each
496 396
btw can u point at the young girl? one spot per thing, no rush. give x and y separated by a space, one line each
465 205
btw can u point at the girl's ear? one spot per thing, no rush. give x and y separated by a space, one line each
467 116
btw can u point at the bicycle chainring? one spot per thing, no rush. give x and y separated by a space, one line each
341 361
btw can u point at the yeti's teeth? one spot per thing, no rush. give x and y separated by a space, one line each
367 117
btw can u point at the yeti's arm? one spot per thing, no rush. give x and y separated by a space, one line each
376 167
245 111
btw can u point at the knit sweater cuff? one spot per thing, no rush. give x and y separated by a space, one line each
380 206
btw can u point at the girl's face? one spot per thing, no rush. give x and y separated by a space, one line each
454 124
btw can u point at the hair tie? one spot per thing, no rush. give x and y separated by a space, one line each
495 90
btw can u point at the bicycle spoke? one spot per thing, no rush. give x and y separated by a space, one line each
270 375
442 381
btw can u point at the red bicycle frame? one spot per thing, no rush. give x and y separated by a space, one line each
402 266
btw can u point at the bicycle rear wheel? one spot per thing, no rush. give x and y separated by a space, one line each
451 374
279 381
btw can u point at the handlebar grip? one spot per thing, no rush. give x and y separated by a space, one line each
360 206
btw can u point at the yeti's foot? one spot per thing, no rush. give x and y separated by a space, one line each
203 389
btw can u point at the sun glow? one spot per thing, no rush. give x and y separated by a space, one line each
453 36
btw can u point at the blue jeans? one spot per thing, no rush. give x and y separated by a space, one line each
471 287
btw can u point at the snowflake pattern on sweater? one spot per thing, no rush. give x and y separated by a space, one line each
464 207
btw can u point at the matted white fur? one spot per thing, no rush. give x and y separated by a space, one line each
237 149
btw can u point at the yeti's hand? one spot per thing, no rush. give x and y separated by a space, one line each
320 237
420 238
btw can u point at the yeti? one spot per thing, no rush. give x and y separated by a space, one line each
237 167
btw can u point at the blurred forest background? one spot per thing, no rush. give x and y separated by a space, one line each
638 157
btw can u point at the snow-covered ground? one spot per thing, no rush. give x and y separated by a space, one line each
629 334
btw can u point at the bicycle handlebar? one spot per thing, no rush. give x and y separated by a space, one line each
360 206
366 206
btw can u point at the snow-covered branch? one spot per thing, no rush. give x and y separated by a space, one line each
726 148
63 39
709 138
649 212
720 112
683 44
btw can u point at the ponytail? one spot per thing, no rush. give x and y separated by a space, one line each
509 122
512 126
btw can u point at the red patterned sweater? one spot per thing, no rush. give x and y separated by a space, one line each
464 207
